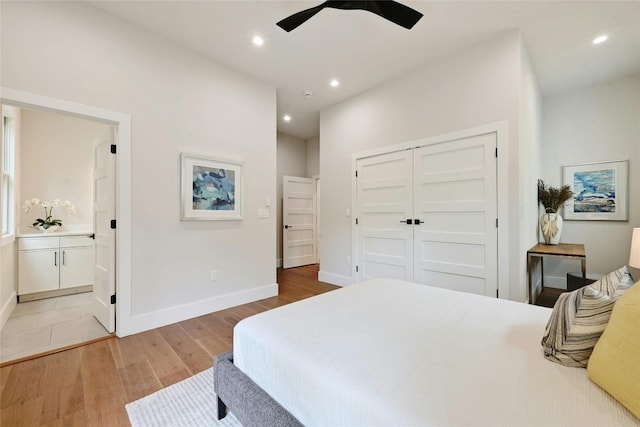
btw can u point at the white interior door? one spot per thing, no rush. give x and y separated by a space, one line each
298 221
455 244
384 193
104 285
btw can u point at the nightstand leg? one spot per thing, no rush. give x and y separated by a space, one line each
529 278
541 274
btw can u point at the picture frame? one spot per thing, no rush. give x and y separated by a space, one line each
211 188
600 191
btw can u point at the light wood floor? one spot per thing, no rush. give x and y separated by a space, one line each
90 385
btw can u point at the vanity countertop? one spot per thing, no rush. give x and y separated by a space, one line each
30 232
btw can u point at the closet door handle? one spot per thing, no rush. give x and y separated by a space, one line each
55 258
63 257
407 221
417 221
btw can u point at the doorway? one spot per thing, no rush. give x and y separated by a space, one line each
121 124
55 271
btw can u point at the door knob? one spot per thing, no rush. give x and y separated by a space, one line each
286 226
417 221
407 221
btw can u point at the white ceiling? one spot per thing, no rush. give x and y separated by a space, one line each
363 50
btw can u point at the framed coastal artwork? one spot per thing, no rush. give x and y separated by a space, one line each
599 191
211 188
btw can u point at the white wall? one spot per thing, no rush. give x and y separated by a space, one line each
57 161
592 124
467 89
179 101
529 163
292 161
8 280
8 251
313 157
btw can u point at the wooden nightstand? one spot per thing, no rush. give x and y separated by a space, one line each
563 250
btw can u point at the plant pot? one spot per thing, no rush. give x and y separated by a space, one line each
551 227
51 229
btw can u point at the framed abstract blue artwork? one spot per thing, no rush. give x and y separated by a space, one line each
599 191
211 188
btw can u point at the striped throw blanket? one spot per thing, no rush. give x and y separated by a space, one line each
579 318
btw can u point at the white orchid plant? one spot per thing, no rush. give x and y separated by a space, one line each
48 221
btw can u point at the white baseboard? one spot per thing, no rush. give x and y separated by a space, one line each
7 309
334 279
157 319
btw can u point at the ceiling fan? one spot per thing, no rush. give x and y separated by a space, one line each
391 10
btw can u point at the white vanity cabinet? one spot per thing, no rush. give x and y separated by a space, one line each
48 263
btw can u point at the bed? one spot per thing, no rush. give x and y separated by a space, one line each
389 352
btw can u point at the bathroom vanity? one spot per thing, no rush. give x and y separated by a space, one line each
54 264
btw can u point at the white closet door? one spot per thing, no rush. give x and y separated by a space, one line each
384 200
455 200
298 221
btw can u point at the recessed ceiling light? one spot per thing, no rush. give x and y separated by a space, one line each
286 118
258 41
334 83
600 39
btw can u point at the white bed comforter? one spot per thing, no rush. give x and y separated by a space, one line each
387 352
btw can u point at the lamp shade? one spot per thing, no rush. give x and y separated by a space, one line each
634 257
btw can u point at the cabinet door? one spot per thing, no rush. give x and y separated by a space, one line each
38 271
76 267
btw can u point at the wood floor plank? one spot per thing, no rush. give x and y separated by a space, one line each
90 385
104 394
232 317
126 351
168 367
24 383
217 324
77 419
212 342
188 350
68 398
21 414
4 374
136 373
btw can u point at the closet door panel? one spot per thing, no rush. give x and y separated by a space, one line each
455 199
384 201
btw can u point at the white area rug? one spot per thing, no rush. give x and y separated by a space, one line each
190 402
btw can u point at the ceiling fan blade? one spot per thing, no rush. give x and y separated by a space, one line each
391 10
395 12
294 21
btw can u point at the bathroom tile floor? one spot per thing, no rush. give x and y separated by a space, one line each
49 324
